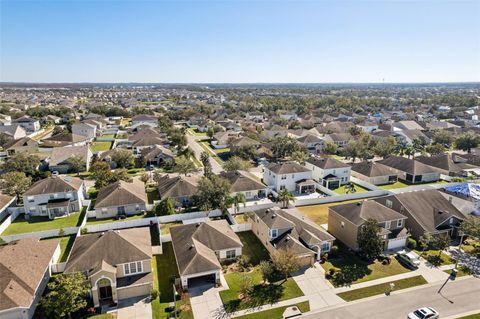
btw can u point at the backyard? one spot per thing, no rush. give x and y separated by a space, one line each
108 135
100 146
319 213
342 190
350 269
66 244
165 227
382 288
94 221
400 184
164 267
41 223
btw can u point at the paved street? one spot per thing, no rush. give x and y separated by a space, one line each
457 297
197 149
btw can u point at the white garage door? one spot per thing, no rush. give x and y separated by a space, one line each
397 243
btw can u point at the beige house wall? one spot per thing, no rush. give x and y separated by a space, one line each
347 233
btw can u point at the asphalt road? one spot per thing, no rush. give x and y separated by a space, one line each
456 297
197 149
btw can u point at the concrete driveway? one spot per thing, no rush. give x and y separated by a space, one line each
139 308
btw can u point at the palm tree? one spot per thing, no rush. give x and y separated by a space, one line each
285 197
236 200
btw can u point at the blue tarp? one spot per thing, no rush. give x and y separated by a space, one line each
467 189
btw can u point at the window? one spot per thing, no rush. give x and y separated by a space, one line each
389 203
31 199
451 220
133 268
231 254
284 177
248 194
326 247
282 187
68 195
273 233
387 224
399 223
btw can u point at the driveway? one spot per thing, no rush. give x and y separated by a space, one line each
134 308
197 149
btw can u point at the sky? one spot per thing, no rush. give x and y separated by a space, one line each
238 41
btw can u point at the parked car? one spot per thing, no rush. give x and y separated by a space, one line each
424 313
409 259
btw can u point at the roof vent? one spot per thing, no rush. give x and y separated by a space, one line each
191 246
274 215
197 225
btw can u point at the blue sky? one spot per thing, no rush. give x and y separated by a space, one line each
239 41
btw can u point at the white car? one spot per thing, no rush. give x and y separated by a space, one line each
410 258
424 313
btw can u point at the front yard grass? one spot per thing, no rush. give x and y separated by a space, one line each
343 190
41 223
381 288
350 269
66 244
164 267
100 146
253 248
319 213
435 258
275 291
194 131
276 313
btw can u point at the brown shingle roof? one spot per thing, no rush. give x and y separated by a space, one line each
327 162
360 212
287 168
179 186
122 193
240 181
54 184
374 169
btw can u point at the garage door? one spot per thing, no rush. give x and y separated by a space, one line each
396 243
201 281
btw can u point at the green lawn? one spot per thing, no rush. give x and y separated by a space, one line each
136 171
350 269
253 248
471 246
152 194
100 146
381 288
122 136
319 213
461 271
435 258
194 131
395 185
164 267
475 316
275 313
108 136
165 227
66 244
342 190
94 221
262 294
40 223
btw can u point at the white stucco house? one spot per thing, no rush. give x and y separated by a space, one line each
329 172
289 175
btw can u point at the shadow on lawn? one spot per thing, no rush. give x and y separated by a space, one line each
261 295
349 274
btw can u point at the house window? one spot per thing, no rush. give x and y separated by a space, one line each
248 194
137 207
389 203
30 199
282 187
273 233
326 246
387 224
284 177
231 254
399 223
68 195
451 220
133 268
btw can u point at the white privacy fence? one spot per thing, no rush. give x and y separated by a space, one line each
120 225
333 199
9 219
364 184
241 227
42 234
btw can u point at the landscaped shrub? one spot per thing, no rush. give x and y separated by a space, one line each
411 243
333 251
154 294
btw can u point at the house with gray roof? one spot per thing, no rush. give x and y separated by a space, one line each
243 182
200 247
374 173
290 176
329 172
411 170
180 189
288 229
118 264
60 157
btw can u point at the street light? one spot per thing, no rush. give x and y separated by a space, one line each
174 296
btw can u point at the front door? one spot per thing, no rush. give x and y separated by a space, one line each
105 292
121 211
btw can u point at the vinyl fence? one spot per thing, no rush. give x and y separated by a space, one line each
41 234
241 227
333 199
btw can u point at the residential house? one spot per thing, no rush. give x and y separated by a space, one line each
85 129
121 199
242 182
200 247
339 139
59 160
54 196
290 176
65 139
23 145
313 143
145 119
25 269
465 197
411 170
6 201
220 139
180 189
428 211
410 135
118 264
257 117
157 155
329 172
448 164
28 123
5 120
375 173
13 132
287 229
345 221
407 125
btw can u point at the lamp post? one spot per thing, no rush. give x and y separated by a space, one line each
174 296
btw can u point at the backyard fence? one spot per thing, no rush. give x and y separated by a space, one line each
333 199
121 225
42 234
9 219
364 184
241 227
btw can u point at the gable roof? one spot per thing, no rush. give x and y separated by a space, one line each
447 162
374 169
326 162
61 155
114 247
287 168
240 181
408 165
54 184
23 264
178 186
360 212
24 141
195 245
122 193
